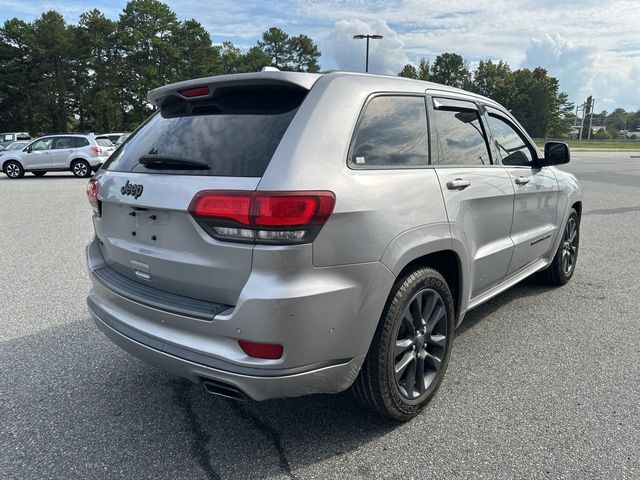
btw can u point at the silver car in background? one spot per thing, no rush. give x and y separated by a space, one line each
79 154
19 145
280 234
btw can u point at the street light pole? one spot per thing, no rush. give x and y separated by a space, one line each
367 37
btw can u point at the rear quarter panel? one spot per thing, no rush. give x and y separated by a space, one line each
373 207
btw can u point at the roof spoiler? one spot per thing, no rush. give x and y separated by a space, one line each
202 87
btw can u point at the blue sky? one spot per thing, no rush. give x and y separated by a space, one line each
592 46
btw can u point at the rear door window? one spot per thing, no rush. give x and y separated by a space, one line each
235 132
461 136
392 132
63 142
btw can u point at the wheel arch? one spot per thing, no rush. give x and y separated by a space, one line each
78 159
7 160
432 246
577 206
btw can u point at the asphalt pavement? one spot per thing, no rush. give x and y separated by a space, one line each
543 382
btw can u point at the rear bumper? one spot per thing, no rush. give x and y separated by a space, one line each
331 379
325 318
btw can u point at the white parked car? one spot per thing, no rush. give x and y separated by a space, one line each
112 137
80 154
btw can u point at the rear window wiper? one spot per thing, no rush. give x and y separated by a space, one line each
164 162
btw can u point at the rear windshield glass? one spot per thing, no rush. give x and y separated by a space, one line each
235 133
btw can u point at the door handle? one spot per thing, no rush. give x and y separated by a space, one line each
522 180
458 184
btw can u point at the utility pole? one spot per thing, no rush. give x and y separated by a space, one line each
590 104
368 37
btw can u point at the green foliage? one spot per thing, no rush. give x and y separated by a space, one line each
532 96
95 76
493 80
424 72
298 54
275 43
408 71
450 69
304 54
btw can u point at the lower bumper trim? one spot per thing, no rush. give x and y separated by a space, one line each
329 379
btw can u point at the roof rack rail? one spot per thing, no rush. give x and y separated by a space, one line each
68 133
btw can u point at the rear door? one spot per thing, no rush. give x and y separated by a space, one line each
478 194
536 192
61 151
145 231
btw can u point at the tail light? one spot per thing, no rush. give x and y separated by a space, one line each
263 217
92 195
96 150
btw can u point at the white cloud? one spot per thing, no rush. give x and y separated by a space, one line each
572 64
585 70
592 46
385 56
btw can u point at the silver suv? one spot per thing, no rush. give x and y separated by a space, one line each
280 234
80 154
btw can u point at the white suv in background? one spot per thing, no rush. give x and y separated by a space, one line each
80 154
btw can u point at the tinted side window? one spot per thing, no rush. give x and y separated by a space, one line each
513 148
392 133
62 142
461 137
80 142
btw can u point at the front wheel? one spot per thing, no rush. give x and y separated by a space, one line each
563 265
410 350
13 169
80 168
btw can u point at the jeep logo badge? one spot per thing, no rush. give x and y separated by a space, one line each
132 189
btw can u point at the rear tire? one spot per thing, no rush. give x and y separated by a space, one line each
40 173
561 269
81 168
13 169
409 353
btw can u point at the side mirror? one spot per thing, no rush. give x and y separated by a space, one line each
556 153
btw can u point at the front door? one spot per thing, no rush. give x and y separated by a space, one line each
536 193
478 194
37 156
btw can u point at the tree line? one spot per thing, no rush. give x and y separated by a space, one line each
618 123
94 76
533 96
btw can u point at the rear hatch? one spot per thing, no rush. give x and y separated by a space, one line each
106 146
207 137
